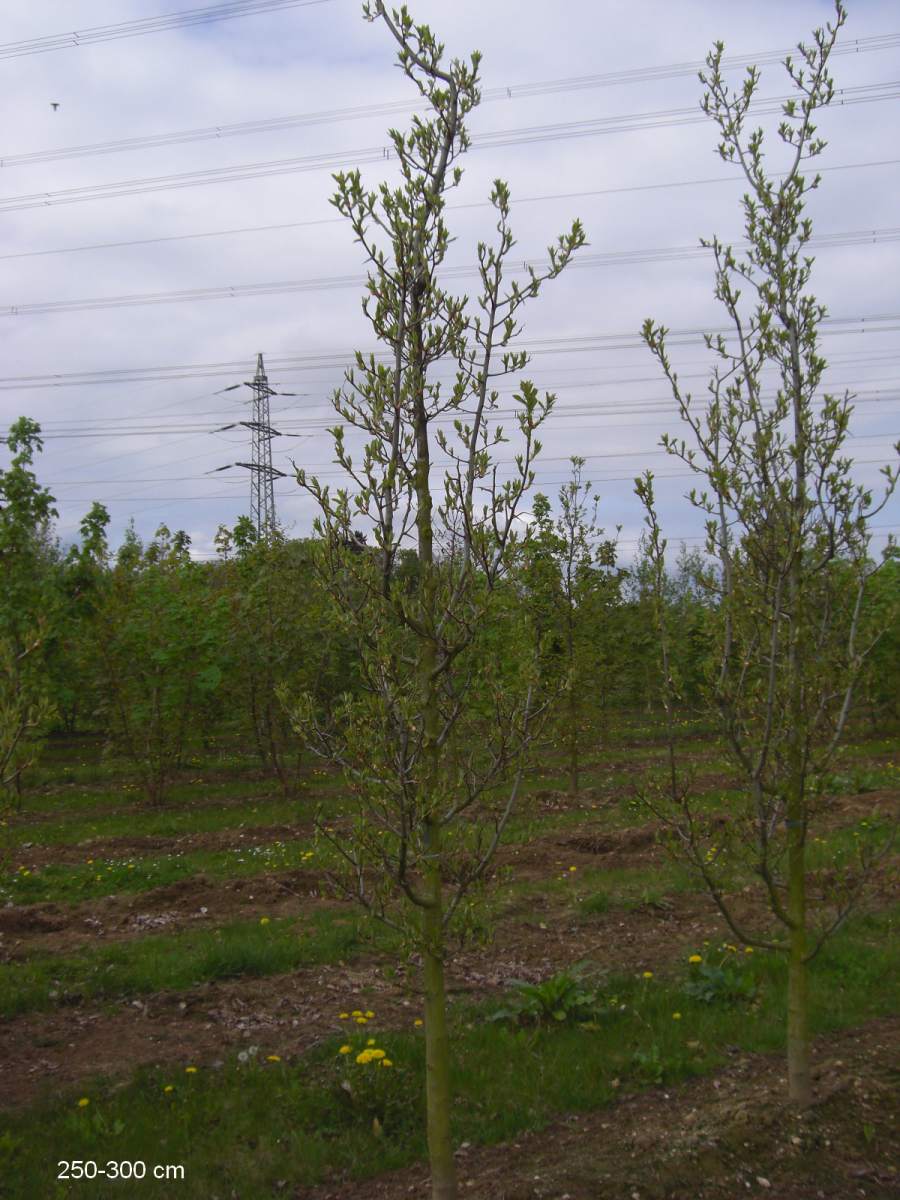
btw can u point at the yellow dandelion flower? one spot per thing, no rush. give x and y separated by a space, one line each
376 1054
273 1058
386 1062
190 1070
364 1057
369 1015
417 1022
361 1021
370 1042
676 1016
648 975
344 1050
83 1102
169 1088
695 958
573 868
264 920
748 949
356 1013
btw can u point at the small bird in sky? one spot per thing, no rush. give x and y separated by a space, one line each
54 104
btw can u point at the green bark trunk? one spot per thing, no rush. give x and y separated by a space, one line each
574 765
799 1079
437 1048
573 706
437 1045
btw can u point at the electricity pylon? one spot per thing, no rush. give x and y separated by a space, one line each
262 473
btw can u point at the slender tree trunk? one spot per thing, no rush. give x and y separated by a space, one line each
799 1079
437 1043
574 766
574 706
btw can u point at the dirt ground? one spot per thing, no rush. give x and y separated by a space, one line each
74 854
64 928
288 1013
196 902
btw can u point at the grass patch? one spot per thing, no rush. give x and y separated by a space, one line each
178 961
112 876
619 887
73 815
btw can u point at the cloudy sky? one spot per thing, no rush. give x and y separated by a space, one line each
130 392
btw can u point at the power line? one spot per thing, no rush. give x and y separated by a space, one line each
388 108
836 359
311 466
78 423
241 497
280 227
859 237
869 323
104 460
653 407
640 406
664 118
158 24
326 469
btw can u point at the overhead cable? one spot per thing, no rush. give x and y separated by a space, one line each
140 28
869 323
280 227
559 131
857 237
240 496
519 91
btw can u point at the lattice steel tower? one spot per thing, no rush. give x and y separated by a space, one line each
262 473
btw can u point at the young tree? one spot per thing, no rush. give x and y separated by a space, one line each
26 510
162 630
787 527
441 722
585 581
282 638
27 606
881 680
25 710
71 654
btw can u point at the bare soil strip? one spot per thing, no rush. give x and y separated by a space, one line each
155 845
288 1013
203 902
64 928
197 902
